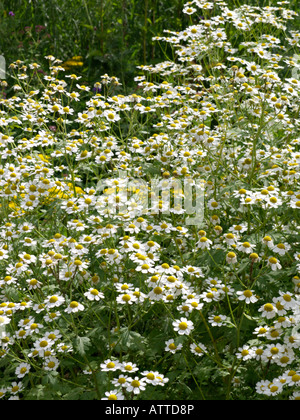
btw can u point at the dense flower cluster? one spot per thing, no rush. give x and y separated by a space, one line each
106 285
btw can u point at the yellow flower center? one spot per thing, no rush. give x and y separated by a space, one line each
246 245
110 365
268 307
135 383
248 293
94 292
231 255
51 365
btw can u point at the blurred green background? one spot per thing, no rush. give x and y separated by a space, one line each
104 36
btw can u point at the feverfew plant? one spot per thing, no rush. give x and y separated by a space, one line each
109 289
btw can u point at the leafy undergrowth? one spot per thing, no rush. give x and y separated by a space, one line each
150 242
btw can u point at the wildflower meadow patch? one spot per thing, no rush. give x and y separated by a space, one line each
149 242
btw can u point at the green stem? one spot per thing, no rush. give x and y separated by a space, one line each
195 380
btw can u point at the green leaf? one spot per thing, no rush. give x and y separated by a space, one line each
82 344
251 318
94 53
73 395
131 339
87 26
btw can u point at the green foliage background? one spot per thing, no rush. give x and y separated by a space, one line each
111 36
